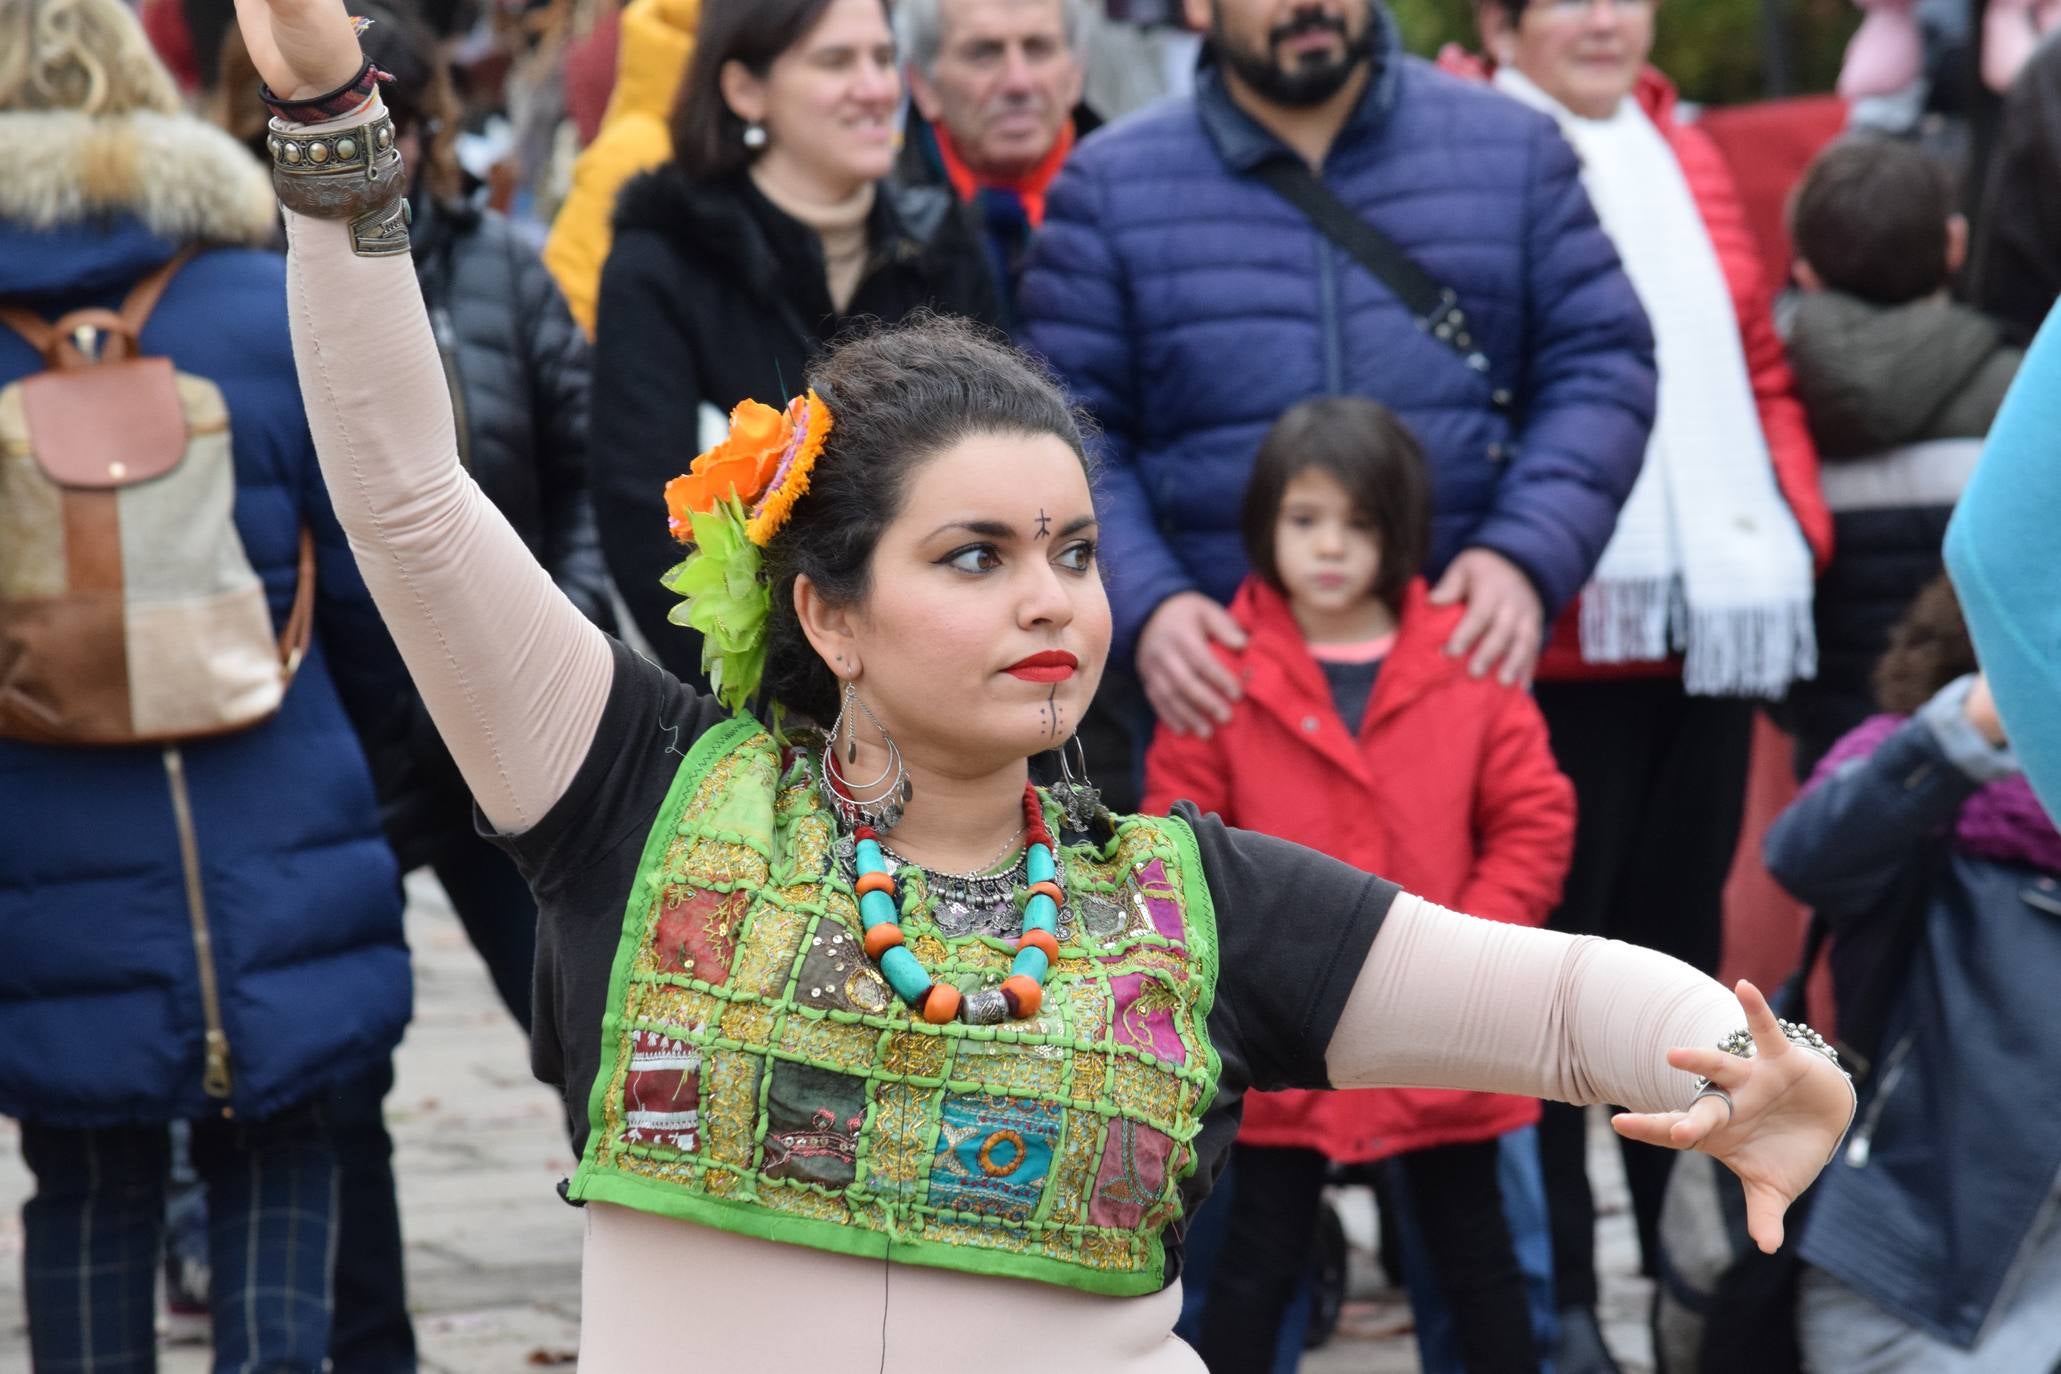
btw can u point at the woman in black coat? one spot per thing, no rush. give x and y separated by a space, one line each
770 231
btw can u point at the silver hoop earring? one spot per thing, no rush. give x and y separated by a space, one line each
754 135
878 802
1078 798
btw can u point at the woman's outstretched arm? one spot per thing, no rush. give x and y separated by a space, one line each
513 675
1452 1001
1446 1000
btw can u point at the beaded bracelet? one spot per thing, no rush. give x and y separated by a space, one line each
1740 1044
344 100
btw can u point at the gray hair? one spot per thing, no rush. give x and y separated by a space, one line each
920 30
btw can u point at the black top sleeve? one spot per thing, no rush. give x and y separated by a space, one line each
581 862
1293 930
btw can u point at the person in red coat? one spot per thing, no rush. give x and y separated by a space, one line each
1701 603
1357 734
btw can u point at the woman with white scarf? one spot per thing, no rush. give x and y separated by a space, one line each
1701 604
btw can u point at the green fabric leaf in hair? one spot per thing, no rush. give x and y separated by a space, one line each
726 600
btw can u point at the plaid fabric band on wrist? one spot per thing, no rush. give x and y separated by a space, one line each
344 100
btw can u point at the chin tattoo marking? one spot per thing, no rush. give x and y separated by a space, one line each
1053 714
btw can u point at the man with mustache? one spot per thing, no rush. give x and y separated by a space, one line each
1188 304
995 87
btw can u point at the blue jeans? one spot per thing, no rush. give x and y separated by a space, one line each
374 1334
94 1235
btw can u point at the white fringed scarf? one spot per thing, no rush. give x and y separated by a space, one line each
1707 560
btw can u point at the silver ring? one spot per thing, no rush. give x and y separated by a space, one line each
1713 1090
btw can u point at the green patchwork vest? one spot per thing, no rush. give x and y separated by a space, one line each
758 1075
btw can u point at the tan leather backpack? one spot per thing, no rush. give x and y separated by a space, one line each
129 612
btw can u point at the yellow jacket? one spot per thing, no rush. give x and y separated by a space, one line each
657 37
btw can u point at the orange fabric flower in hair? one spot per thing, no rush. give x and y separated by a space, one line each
764 464
740 466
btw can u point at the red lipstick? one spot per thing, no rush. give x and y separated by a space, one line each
1054 665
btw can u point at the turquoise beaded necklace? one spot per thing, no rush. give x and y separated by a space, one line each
1019 996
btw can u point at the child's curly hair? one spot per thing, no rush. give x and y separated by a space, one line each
1928 649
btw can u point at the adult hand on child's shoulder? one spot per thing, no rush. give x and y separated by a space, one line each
1788 1109
1188 685
1504 625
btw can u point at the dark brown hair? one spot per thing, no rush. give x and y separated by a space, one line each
898 396
1373 456
420 97
1870 217
1928 649
708 137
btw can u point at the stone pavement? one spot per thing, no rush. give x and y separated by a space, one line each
493 1255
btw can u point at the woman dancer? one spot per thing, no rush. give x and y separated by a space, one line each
804 1025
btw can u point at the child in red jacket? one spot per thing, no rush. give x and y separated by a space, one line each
1358 735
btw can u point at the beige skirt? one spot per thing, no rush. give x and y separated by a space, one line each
658 1295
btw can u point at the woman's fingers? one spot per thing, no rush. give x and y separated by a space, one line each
1728 1071
1674 1130
1651 1128
1768 1040
1705 1114
1764 1209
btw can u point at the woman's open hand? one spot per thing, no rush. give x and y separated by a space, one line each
301 48
1790 1106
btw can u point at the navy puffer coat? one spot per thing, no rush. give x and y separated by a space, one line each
1187 306
102 1015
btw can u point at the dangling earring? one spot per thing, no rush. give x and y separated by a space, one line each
891 790
754 135
1078 798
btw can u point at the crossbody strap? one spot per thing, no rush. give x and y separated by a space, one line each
1436 307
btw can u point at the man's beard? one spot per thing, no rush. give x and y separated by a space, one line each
1308 83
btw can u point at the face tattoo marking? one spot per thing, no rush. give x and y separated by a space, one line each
1044 525
1052 713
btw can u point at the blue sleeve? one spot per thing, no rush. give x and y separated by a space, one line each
2001 552
1843 845
1074 304
1588 398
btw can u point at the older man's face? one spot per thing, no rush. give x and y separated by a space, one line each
1004 84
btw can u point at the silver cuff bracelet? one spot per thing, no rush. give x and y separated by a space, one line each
352 174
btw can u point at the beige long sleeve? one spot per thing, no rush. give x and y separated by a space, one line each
1452 1001
513 675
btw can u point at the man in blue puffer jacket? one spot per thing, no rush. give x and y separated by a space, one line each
1187 305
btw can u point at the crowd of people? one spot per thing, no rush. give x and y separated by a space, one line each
1416 443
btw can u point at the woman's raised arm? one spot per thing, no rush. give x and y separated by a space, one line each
514 676
1446 1000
